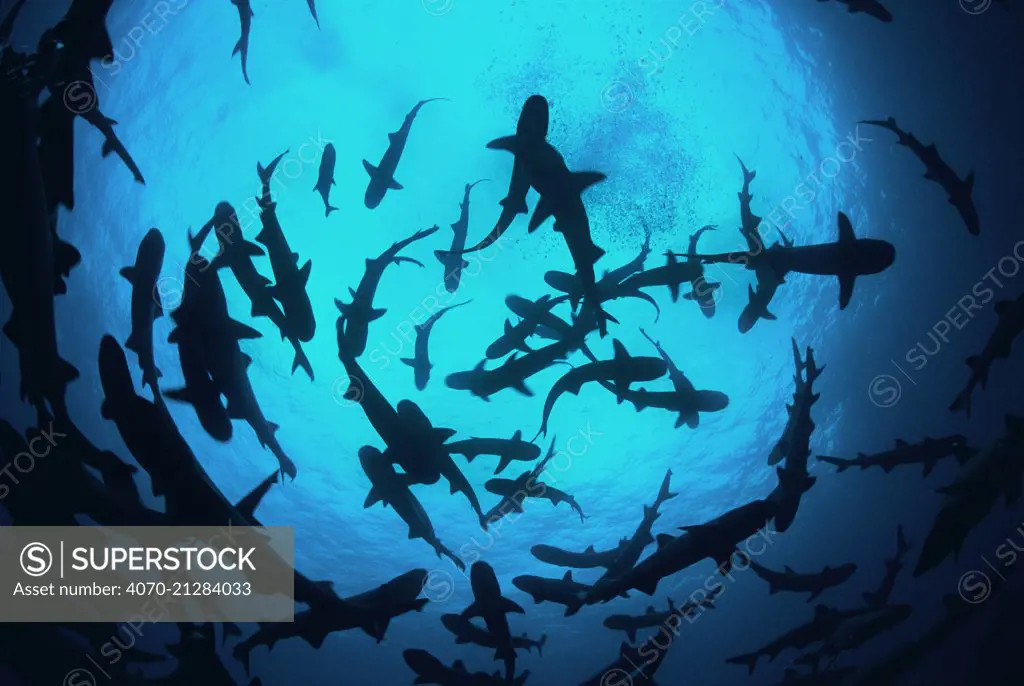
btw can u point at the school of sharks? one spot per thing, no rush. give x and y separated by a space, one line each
571 327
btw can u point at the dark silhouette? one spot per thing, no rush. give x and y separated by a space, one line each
325 177
926 452
382 177
421 364
452 259
146 305
492 607
356 316
958 190
998 346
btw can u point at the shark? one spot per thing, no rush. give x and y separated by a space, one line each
927 452
621 371
814 584
491 606
241 48
388 487
872 8
290 280
998 346
654 619
684 399
968 500
560 197
356 316
893 566
514 492
958 191
507 450
325 176
452 259
421 364
847 258
382 177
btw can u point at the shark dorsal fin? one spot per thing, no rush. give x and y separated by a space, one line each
459 666
518 435
590 549
650 609
900 443
788 569
620 350
568 576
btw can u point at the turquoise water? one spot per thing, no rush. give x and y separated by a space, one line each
663 121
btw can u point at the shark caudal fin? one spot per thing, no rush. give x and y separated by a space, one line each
301 361
962 402
839 463
328 210
978 369
507 143
749 660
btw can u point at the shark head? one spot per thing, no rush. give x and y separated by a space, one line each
534 118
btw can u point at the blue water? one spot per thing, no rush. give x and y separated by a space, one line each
664 122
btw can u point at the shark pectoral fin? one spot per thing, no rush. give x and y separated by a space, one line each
128 273
132 343
376 314
664 539
673 288
372 498
394 185
304 272
545 208
370 169
846 282
180 394
586 179
241 331
509 143
511 606
523 388
409 361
